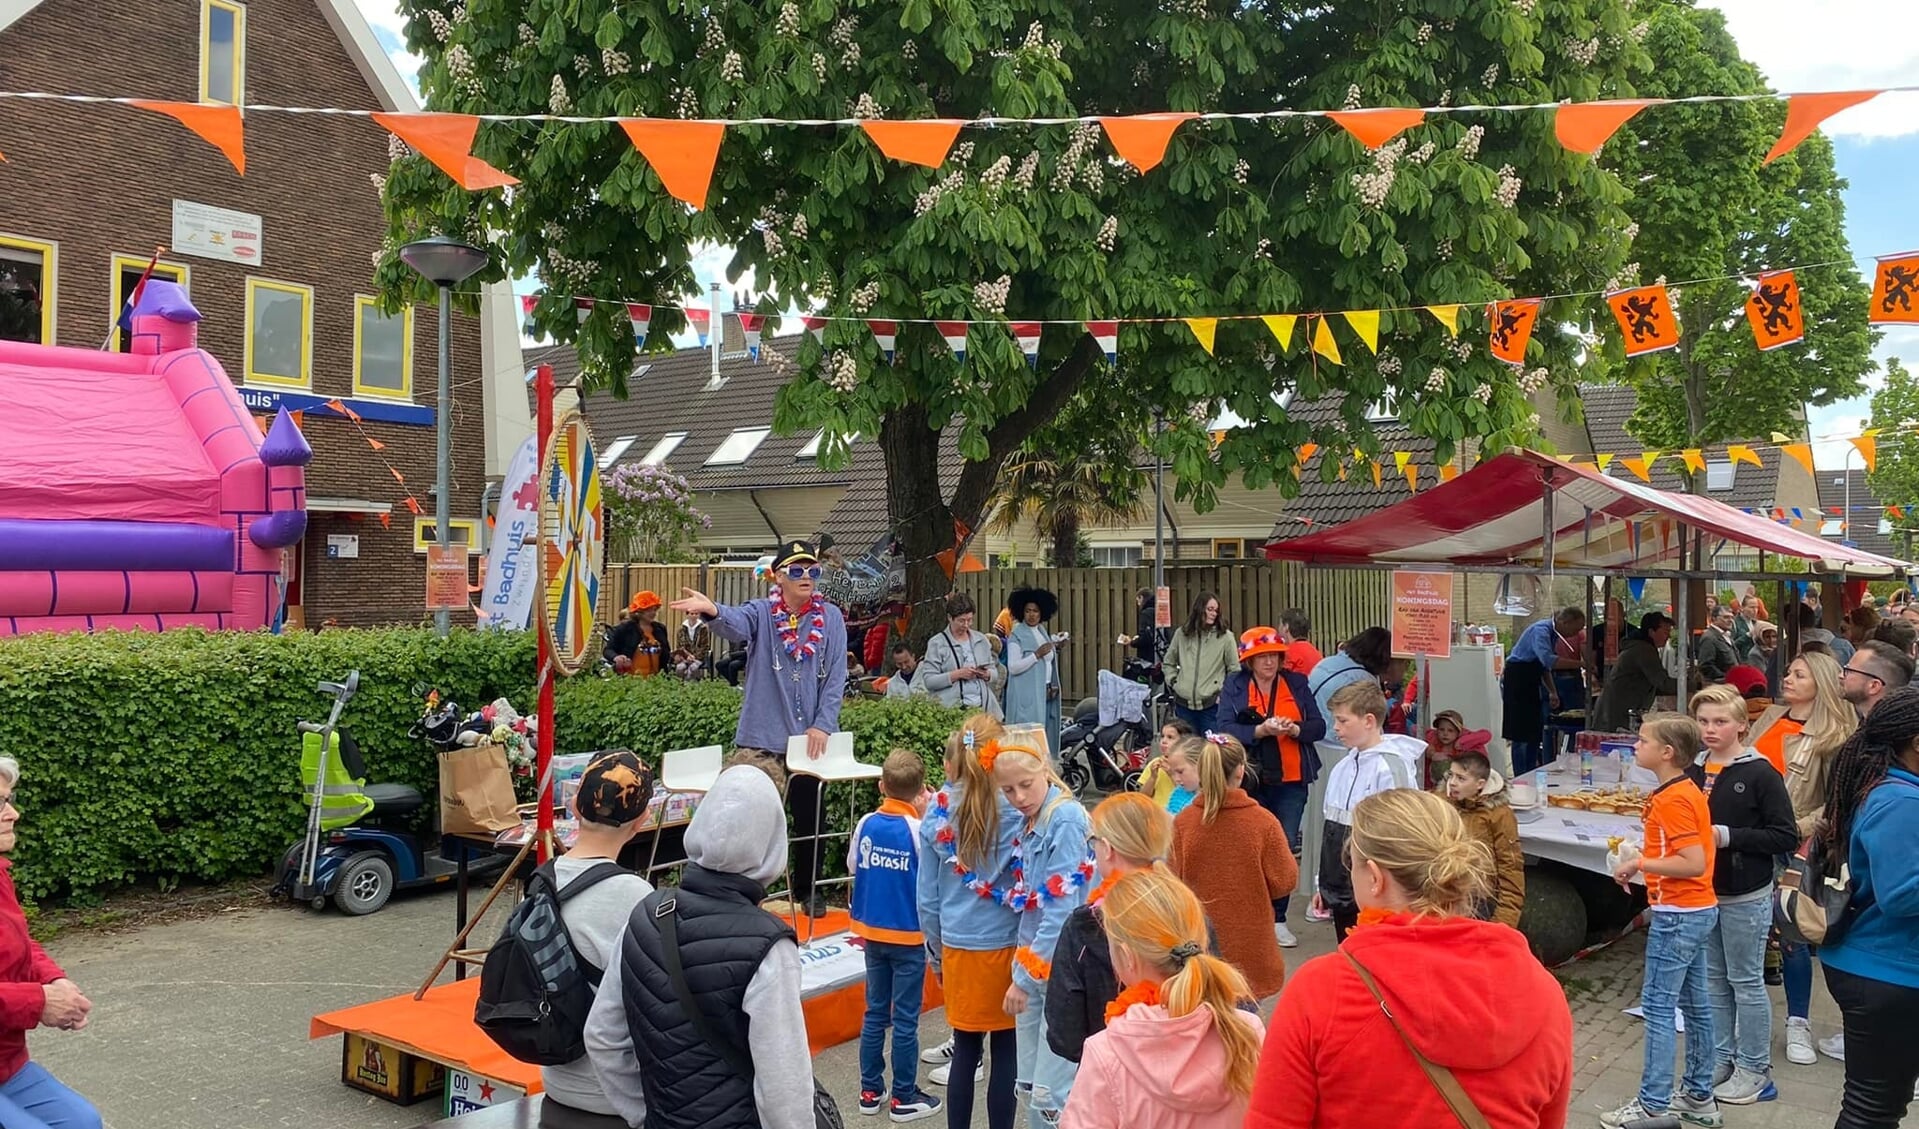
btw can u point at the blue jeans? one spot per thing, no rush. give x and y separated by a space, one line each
1287 802
1736 970
895 989
34 1099
1200 720
1795 967
1048 1077
1675 978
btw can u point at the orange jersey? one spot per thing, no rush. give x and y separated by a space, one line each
1677 818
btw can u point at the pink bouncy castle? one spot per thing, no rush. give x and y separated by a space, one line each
136 491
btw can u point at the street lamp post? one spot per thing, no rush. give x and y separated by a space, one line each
445 262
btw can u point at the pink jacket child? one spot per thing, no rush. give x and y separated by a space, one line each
1148 1070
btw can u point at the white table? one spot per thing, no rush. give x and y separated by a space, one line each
1573 836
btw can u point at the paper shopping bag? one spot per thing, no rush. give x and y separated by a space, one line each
476 791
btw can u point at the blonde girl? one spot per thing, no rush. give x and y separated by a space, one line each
966 847
1179 1009
1235 856
1052 866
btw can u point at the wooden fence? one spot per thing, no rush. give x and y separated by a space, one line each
1096 604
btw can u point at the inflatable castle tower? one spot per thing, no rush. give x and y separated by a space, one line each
136 491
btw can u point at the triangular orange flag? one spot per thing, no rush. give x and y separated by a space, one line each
682 153
1804 112
1376 127
1379 480
1868 448
916 142
375 443
1642 466
386 520
1737 453
447 141
1448 472
1412 476
1800 453
1306 451
1141 139
1694 458
299 420
413 504
219 126
1584 126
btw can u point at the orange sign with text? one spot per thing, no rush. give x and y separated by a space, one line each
1423 614
446 572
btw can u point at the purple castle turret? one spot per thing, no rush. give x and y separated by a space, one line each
285 455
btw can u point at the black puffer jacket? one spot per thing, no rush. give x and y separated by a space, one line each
1749 800
1083 983
724 938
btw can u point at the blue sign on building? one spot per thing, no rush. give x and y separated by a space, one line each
267 401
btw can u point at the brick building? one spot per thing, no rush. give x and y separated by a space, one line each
279 262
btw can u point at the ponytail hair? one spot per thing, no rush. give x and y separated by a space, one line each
1218 758
1157 919
977 836
1423 844
1137 829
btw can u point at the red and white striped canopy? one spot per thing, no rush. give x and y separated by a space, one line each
1494 514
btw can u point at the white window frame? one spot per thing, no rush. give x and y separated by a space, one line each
749 438
663 450
1720 475
615 449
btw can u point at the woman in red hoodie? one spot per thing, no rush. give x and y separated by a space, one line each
33 991
1419 989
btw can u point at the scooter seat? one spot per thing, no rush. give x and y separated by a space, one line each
393 799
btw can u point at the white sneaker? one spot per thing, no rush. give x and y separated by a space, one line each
1285 935
939 1075
1799 1042
1834 1047
942 1052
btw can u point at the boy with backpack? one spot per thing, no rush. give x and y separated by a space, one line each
535 996
883 858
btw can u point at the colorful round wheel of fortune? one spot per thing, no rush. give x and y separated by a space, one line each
572 542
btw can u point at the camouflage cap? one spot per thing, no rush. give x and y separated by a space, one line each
614 789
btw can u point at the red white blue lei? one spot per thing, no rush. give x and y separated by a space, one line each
1017 896
787 624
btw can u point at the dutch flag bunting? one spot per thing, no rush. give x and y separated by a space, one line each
584 308
886 333
1106 333
642 318
750 325
1027 334
955 334
701 321
527 326
815 326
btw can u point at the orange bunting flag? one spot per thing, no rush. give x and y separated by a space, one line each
1376 127
375 443
1895 291
1512 327
916 142
1804 112
1694 458
447 141
1642 466
1646 319
413 504
1281 326
1800 453
1773 311
299 421
386 520
1323 342
1584 126
1737 453
1305 452
1868 447
1448 472
682 154
1141 139
1411 471
1205 329
397 476
1379 476
218 126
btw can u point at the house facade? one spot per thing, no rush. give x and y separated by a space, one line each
279 261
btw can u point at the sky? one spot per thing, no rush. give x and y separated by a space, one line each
1829 45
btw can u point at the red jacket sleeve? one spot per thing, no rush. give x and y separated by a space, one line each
43 966
1286 1089
21 1005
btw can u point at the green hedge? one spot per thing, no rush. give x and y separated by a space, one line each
173 756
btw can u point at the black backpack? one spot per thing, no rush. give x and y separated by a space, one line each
535 987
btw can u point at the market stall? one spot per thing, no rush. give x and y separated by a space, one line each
1522 513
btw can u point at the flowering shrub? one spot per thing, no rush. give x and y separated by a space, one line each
650 515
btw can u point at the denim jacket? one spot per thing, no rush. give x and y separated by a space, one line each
1058 864
951 913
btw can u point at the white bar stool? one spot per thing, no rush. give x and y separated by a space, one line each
687 771
837 765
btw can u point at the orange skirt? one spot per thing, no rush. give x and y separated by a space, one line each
975 984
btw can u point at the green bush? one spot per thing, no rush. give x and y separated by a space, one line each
173 756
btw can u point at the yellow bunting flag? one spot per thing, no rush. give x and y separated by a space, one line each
1868 447
1401 458
1323 342
1282 328
1642 466
1737 453
1694 458
1604 461
1800 453
1366 324
1205 329
1448 472
1781 437
1448 316
1895 291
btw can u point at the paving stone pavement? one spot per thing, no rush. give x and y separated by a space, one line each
201 1024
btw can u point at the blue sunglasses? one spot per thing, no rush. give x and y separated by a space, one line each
803 572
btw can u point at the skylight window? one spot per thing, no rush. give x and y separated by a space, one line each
811 450
738 447
613 453
664 449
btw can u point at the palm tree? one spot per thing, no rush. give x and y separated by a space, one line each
1064 498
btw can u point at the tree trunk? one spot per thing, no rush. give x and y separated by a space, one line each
918 514
1066 539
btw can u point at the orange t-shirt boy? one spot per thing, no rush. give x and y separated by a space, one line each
1678 856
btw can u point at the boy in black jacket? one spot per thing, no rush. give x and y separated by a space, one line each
1753 824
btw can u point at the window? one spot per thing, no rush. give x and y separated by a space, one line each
811 450
1383 409
465 531
382 350
618 448
1720 473
1832 527
127 270
1885 526
663 450
279 347
738 447
1255 548
1225 549
26 290
223 51
1116 556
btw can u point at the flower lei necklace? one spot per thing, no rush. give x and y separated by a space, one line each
1141 993
787 622
1016 896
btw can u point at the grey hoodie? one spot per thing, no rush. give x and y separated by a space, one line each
739 828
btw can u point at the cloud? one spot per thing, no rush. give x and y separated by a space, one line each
1848 417
1835 45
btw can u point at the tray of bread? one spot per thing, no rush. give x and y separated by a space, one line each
1607 801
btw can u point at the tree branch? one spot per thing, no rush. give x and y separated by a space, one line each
977 479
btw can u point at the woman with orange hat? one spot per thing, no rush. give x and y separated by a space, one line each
638 643
1271 712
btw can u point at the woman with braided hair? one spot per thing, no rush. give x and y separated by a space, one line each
1872 969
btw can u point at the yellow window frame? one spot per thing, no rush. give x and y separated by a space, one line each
239 12
118 265
423 532
361 303
49 272
305 294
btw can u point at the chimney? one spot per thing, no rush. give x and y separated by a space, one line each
716 331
